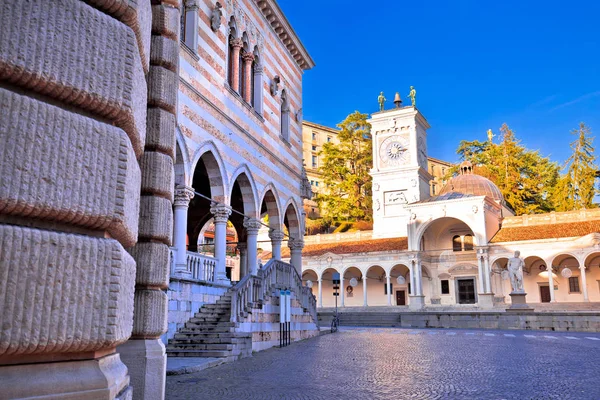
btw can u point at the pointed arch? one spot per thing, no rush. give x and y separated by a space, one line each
245 180
182 160
269 198
215 168
292 219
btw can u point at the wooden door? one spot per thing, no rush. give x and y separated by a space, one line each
466 291
545 294
400 297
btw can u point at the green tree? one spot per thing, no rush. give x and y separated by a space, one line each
576 189
526 179
345 169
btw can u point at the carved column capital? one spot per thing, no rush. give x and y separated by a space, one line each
252 226
191 4
295 244
220 213
248 57
276 235
242 247
183 195
236 42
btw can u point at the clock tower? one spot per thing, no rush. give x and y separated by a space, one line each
399 171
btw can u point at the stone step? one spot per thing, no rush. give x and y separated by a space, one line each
209 319
218 335
208 329
207 340
201 346
201 353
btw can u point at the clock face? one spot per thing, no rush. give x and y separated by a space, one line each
393 151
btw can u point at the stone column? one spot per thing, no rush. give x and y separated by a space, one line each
480 272
389 292
183 195
320 293
342 290
243 248
252 227
276 237
247 58
236 44
365 290
488 274
296 246
417 300
584 283
551 283
221 215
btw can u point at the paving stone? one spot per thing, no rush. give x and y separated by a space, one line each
395 363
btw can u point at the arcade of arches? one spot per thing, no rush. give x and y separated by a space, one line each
222 221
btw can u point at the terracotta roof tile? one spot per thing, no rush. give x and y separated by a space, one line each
548 231
363 246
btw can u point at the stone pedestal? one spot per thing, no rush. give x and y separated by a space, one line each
519 302
416 302
148 362
485 300
102 378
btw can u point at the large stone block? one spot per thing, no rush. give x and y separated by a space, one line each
150 313
165 21
137 14
162 88
104 378
161 131
147 364
153 264
158 174
101 73
62 293
156 219
64 167
164 53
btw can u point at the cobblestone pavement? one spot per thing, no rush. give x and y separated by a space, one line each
391 363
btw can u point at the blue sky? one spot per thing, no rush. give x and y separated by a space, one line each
475 64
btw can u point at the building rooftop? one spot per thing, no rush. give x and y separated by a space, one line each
546 231
362 246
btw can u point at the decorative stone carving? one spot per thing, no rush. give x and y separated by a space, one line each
183 196
252 226
305 189
276 235
215 18
274 85
236 42
299 116
296 244
220 213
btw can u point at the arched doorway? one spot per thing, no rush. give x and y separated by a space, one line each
311 279
375 285
536 281
243 219
326 297
592 275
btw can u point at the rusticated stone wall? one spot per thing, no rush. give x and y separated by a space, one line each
144 354
74 103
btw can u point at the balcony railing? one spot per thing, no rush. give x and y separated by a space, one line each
200 267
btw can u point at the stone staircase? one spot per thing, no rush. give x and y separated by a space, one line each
210 333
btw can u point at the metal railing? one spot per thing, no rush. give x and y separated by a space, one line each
252 290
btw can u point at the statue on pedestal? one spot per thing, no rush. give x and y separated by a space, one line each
413 96
515 273
381 101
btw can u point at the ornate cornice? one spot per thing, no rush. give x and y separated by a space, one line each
286 33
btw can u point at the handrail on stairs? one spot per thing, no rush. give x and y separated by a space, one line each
253 289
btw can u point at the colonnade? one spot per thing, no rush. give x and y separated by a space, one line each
248 250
